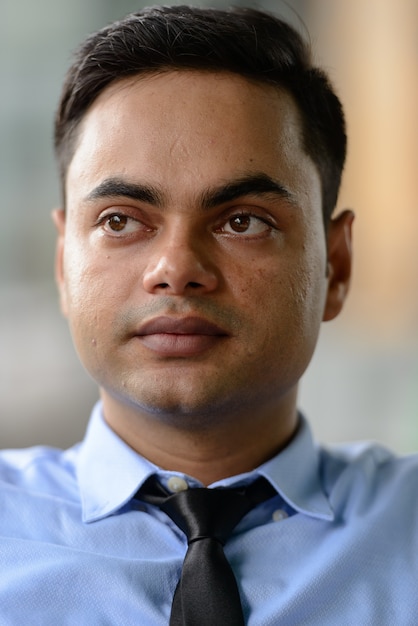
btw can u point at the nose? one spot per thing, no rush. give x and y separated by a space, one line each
180 266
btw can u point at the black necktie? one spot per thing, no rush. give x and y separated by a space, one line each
207 593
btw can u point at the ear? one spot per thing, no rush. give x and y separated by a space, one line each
58 217
339 263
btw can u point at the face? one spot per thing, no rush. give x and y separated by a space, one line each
192 259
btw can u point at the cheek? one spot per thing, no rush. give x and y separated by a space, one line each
286 299
93 290
309 289
81 280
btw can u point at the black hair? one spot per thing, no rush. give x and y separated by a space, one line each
248 42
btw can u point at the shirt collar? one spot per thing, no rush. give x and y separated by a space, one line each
295 473
110 472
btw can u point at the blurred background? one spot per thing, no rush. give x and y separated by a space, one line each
363 382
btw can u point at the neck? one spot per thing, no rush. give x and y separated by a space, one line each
210 453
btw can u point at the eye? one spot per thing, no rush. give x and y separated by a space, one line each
247 224
120 224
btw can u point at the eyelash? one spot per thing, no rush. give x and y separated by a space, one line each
246 214
226 220
105 219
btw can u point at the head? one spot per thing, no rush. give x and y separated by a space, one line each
247 42
201 154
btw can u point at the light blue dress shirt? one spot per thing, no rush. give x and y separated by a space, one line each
337 546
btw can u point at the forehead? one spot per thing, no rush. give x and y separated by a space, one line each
183 125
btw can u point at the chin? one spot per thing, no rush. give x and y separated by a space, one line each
188 408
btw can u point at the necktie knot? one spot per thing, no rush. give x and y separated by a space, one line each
202 513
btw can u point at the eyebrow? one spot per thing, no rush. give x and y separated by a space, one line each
256 185
117 187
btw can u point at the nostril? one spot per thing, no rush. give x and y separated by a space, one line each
190 285
176 273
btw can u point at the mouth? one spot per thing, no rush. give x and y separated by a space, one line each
180 337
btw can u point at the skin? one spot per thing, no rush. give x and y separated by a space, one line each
190 195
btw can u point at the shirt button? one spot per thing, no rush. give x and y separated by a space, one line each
176 484
279 515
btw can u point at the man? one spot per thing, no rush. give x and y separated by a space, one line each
198 253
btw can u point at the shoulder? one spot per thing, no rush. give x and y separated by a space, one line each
40 468
367 475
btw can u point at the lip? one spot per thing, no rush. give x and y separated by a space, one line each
179 337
